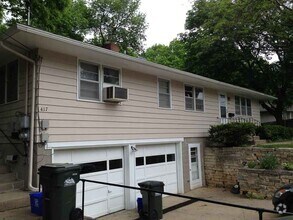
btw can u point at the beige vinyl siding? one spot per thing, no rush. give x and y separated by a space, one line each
138 118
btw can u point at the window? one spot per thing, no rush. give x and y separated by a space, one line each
164 93
139 161
242 106
190 98
93 167
155 159
9 82
89 82
111 76
199 99
115 164
170 157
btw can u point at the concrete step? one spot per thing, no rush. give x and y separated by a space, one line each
14 200
7 177
11 186
256 138
4 169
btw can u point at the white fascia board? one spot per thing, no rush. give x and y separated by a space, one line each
94 144
225 86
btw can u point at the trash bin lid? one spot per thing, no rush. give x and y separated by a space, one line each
150 184
59 167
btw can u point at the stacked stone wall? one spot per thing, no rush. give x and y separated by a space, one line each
263 183
221 165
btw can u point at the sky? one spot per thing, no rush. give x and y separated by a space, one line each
165 18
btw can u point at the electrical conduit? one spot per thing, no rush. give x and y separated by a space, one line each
31 144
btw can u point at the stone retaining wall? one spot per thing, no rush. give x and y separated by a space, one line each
263 183
221 165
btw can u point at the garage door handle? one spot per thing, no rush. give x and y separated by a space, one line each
109 191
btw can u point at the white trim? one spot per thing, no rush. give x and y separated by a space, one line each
89 144
179 167
199 183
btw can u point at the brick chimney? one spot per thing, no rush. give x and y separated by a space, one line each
112 46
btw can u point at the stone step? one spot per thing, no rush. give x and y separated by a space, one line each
4 169
14 200
11 186
256 138
7 177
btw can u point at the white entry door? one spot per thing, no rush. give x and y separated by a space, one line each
223 108
195 166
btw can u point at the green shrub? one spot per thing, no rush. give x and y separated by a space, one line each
274 132
287 166
269 162
233 134
251 164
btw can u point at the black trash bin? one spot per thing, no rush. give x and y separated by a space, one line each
152 202
59 191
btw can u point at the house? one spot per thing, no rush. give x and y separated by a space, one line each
267 118
130 119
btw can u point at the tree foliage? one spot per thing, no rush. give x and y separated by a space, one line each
64 17
172 55
235 41
117 21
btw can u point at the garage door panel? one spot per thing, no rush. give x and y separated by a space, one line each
159 165
115 204
97 209
99 164
62 156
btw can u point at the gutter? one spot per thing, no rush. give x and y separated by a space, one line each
31 143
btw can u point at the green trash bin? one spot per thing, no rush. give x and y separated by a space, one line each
152 202
59 191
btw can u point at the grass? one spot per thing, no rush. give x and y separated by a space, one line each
285 144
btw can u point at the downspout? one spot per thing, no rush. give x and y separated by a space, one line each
31 143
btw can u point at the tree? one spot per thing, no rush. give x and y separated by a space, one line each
232 40
172 55
117 21
64 17
2 25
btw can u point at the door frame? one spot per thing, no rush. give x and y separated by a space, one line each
199 182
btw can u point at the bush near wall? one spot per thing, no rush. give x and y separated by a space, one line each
274 132
232 134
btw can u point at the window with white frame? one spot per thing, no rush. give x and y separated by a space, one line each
194 98
9 82
89 85
111 76
242 106
164 93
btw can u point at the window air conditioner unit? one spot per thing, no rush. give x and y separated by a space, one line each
115 94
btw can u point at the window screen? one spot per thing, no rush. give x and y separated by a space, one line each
189 98
111 76
199 99
164 94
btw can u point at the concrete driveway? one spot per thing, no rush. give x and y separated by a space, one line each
206 211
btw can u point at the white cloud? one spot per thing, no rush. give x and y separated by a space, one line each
166 19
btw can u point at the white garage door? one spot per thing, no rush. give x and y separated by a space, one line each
157 162
99 164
